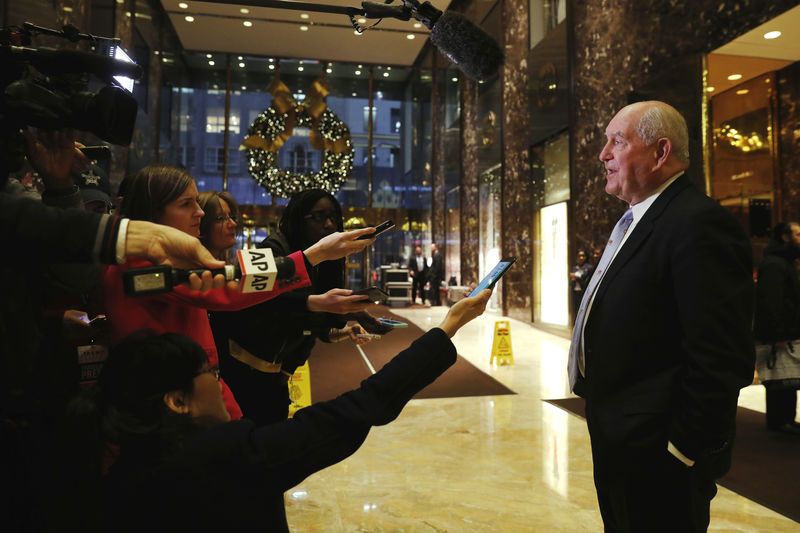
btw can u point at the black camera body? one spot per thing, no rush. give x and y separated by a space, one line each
49 88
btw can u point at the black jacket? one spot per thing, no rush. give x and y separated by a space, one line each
778 295
274 330
232 477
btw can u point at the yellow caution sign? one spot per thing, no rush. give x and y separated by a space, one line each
300 389
501 345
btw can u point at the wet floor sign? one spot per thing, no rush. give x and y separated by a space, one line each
501 345
300 389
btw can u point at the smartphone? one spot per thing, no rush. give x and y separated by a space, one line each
489 281
98 321
378 230
392 323
96 152
375 294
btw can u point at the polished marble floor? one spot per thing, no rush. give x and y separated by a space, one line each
509 463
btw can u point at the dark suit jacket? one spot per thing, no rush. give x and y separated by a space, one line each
437 266
412 266
668 341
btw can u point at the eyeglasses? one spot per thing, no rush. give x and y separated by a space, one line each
222 219
321 217
213 369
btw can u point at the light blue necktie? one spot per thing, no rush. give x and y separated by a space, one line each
611 247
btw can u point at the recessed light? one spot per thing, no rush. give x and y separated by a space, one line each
244 87
244 11
358 73
300 69
240 58
304 16
742 91
772 34
241 65
303 28
208 56
183 5
271 60
734 77
247 23
385 74
188 18
711 89
453 79
417 25
272 67
211 63
354 94
388 68
410 36
329 70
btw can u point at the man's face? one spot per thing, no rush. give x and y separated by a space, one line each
581 258
795 235
417 251
628 162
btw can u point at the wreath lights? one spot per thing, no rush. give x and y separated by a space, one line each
274 126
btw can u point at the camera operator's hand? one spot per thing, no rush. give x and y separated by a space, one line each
339 301
337 245
55 155
165 245
463 311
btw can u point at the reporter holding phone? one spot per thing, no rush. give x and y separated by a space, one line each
261 347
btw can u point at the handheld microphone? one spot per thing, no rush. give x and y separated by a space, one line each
470 48
257 270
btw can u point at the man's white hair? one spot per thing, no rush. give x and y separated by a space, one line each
661 120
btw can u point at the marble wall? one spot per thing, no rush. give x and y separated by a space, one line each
622 48
517 211
438 127
468 188
789 141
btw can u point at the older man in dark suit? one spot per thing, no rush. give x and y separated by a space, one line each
418 268
662 341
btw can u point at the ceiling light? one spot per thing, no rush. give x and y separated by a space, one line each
772 34
329 70
241 65
271 60
244 11
183 5
188 18
410 36
211 63
208 56
247 23
734 77
244 87
354 94
272 67
240 58
304 16
454 79
711 89
388 68
303 28
742 91
385 74
356 32
358 73
300 68
417 25
67 9
362 20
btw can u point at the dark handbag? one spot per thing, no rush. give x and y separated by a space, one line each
778 367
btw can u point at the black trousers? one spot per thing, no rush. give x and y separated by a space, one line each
435 295
418 285
781 407
642 488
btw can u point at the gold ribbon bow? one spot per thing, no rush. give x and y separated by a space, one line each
313 105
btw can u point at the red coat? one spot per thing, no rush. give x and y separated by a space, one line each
183 310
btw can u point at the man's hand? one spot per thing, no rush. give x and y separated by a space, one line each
370 323
337 245
165 245
339 301
55 156
463 311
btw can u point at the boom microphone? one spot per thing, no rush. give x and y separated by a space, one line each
53 61
257 270
470 48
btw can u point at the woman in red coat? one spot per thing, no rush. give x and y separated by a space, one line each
168 195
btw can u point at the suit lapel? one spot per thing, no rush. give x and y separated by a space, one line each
641 233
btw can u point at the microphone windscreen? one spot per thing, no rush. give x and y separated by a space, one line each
472 50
